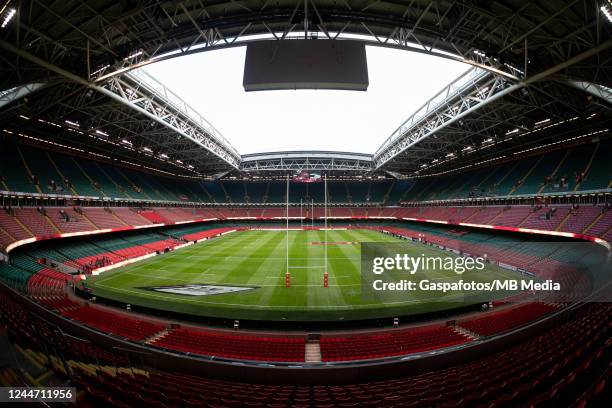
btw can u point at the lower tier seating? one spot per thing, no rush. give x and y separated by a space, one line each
569 363
115 323
363 347
48 282
290 349
507 320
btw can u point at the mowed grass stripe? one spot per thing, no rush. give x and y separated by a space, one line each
269 269
346 272
279 295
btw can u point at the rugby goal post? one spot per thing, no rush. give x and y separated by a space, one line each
287 264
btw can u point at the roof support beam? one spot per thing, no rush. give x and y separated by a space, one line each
200 138
470 92
599 91
459 101
11 95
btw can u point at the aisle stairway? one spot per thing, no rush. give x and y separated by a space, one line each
312 353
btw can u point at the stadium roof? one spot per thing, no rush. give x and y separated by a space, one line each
280 162
539 64
306 119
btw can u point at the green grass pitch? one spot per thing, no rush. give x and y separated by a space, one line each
256 259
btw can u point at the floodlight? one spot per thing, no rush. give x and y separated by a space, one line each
606 9
10 13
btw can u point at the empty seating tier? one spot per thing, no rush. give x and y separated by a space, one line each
508 319
391 343
289 349
115 323
29 169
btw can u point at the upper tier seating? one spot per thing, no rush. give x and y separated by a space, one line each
486 215
255 191
602 226
12 226
545 218
579 219
36 222
534 181
104 218
13 174
176 214
551 172
235 190
130 217
153 216
74 178
68 220
513 216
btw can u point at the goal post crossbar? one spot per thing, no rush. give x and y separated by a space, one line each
287 266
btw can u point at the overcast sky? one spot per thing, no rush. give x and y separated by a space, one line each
253 122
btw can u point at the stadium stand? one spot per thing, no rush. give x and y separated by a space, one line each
69 219
243 347
563 350
104 218
14 174
363 347
506 320
550 172
37 221
73 175
48 282
153 216
11 225
23 223
114 323
48 285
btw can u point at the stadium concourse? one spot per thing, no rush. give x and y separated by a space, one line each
146 262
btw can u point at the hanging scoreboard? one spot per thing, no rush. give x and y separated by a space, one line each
306 64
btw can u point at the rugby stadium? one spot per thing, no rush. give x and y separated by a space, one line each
313 203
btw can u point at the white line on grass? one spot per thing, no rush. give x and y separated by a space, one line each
273 258
306 267
256 306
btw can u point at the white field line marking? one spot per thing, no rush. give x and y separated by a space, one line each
306 267
184 250
192 277
269 257
255 306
